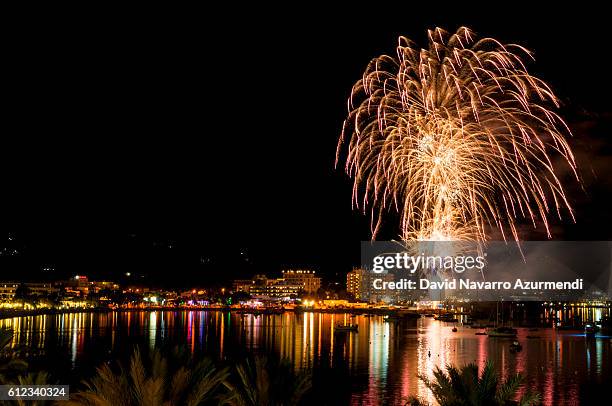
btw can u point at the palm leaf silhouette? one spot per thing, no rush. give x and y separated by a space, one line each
465 387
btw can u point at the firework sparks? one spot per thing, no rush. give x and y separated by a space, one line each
457 138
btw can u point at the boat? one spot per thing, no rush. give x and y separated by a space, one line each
392 318
429 315
589 330
481 333
454 329
515 346
502 332
449 318
346 328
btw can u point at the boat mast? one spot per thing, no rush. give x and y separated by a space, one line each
497 313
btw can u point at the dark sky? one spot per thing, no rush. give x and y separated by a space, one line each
167 143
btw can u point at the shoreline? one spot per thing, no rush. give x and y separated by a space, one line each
396 314
7 314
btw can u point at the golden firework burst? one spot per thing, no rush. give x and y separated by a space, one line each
456 137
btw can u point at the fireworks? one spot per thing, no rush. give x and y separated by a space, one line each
456 138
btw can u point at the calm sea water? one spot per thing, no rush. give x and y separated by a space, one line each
376 366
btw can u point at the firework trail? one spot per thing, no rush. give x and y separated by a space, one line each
456 138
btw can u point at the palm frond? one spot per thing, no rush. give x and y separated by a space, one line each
464 386
488 383
260 381
155 380
6 336
530 398
508 389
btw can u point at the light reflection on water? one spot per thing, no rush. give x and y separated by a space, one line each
377 365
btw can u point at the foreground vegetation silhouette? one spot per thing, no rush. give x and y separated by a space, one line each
465 387
154 379
263 381
178 379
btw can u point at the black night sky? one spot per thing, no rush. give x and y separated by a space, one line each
195 147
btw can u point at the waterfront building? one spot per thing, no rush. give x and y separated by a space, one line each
354 282
40 288
333 303
360 284
81 286
263 287
245 285
7 291
78 286
97 286
275 288
242 285
309 281
293 283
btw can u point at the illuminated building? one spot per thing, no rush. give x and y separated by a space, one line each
40 288
307 279
242 285
97 286
275 288
360 284
331 303
81 286
7 291
262 287
77 286
354 282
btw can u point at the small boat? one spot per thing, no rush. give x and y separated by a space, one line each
481 333
392 318
346 328
454 329
503 332
589 330
429 315
515 346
